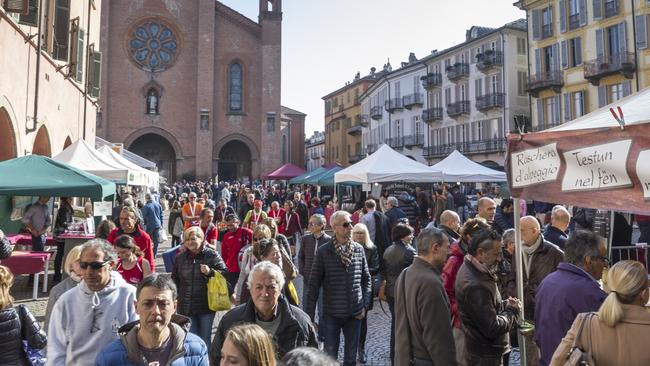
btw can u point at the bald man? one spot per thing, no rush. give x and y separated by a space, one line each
556 231
541 258
487 208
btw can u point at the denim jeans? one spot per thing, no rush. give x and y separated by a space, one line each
202 326
331 329
155 239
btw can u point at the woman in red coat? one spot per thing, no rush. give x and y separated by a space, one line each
290 224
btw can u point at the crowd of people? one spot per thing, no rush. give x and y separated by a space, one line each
448 280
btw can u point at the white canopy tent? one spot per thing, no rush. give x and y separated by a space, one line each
83 156
387 165
458 168
152 178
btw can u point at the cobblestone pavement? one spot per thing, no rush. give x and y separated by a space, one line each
377 343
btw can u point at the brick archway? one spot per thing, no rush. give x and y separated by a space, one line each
42 144
236 156
8 148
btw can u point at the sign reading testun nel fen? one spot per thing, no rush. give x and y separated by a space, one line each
644 174
535 166
597 167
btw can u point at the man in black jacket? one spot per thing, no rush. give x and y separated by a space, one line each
487 320
341 270
289 326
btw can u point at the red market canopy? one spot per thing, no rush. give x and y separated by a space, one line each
287 171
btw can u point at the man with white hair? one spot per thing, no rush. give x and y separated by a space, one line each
555 232
289 326
341 270
394 213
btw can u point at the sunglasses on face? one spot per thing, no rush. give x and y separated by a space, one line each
94 265
347 224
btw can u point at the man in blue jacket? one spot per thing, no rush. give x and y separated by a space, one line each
572 289
153 219
160 335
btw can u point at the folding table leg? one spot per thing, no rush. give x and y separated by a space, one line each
35 289
46 274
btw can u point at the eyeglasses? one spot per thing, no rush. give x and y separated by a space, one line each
314 224
605 260
94 265
347 224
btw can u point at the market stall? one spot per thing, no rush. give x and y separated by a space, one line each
151 178
458 168
285 172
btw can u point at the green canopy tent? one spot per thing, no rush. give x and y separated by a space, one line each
327 179
301 178
35 175
315 178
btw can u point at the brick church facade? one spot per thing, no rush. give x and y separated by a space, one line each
193 85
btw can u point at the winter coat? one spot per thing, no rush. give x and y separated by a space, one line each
295 329
397 257
423 300
18 324
576 291
192 284
503 221
624 344
485 318
187 348
449 272
308 246
346 291
555 236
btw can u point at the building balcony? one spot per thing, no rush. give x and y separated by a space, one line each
487 101
457 108
432 115
488 60
355 158
411 100
611 8
574 21
314 155
547 30
396 142
457 71
414 140
597 69
376 112
495 145
393 105
364 120
355 130
431 80
553 79
371 148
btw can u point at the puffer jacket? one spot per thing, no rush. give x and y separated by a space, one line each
192 284
396 257
486 320
295 329
13 326
187 348
449 272
346 291
410 207
307 252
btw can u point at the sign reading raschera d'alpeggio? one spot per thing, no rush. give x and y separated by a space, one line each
597 167
535 166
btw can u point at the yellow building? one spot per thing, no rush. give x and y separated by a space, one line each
343 121
584 54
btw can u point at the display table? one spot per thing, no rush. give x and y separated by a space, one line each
72 240
26 239
27 263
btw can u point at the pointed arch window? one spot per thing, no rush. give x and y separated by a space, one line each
236 87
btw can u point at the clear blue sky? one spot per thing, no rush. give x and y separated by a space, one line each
324 43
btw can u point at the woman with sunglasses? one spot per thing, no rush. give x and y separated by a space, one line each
131 263
361 235
192 270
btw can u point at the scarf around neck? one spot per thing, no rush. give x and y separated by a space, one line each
480 266
344 250
528 252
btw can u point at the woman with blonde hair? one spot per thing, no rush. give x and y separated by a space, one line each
16 324
247 345
72 269
361 235
617 334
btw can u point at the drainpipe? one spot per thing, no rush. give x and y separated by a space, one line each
428 126
530 98
636 59
90 4
506 121
389 114
38 71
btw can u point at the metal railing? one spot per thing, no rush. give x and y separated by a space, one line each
637 252
574 21
623 62
457 108
396 142
457 71
432 114
354 130
488 101
376 112
544 80
364 120
489 59
431 80
547 30
394 105
477 147
611 8
412 99
414 140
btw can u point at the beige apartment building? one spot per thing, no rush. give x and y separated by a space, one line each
584 54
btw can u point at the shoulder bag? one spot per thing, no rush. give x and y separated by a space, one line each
576 356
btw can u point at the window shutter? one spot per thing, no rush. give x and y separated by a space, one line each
583 106
537 24
556 57
616 7
499 88
600 44
622 39
74 48
95 74
627 88
540 113
498 44
602 96
477 88
577 51
565 55
16 6
80 55
32 17
582 4
562 6
61 30
641 32
557 106
598 9
567 107
538 61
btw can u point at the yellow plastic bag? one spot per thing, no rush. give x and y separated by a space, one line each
293 292
218 299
